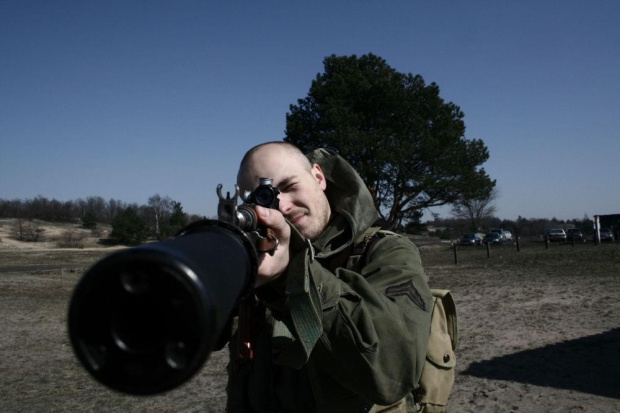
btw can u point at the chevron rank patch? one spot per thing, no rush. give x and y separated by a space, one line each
406 289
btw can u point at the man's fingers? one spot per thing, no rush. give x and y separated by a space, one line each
271 218
272 266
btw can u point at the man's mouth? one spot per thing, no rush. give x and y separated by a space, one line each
296 219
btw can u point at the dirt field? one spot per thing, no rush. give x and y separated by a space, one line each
539 332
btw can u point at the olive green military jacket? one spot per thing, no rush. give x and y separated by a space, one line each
332 339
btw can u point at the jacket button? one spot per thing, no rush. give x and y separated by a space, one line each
446 358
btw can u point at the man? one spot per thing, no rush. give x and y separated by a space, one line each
328 334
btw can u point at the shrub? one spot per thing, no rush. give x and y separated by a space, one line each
97 232
28 231
71 239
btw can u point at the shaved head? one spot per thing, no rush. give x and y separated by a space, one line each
287 150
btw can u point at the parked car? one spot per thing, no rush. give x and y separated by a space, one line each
506 235
556 235
493 238
574 234
607 235
470 239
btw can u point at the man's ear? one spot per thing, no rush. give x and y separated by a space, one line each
318 174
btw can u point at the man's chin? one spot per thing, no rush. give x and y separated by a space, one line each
305 232
302 231
309 234
305 228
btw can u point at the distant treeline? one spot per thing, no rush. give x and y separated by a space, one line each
131 223
72 211
452 228
158 211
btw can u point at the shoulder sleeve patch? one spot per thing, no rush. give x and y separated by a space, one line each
407 289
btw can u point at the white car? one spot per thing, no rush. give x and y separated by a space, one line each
556 235
505 235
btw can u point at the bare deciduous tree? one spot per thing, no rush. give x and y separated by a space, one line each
476 210
160 209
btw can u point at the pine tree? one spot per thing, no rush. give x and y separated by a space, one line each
129 228
89 220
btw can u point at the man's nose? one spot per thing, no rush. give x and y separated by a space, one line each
285 204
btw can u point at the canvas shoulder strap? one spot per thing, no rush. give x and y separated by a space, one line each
361 246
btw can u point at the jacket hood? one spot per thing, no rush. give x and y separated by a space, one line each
346 192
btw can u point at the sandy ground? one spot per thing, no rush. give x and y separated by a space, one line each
540 329
539 332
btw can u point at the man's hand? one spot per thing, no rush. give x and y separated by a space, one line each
271 267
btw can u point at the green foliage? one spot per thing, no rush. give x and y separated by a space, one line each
406 142
414 225
89 220
129 228
586 225
177 220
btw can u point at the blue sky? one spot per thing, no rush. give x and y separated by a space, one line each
127 99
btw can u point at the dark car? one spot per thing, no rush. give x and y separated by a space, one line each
493 238
470 239
607 235
574 234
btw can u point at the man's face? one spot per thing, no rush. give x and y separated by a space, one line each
302 196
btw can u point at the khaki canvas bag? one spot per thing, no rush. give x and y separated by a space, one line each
439 368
